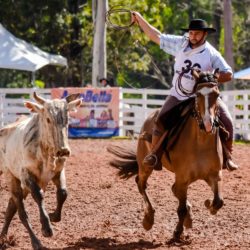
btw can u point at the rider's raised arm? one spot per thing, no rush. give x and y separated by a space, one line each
152 33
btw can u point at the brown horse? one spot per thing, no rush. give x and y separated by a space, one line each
193 152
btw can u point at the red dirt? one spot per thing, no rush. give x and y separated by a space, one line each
103 212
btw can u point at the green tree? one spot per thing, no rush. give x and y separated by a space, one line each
66 28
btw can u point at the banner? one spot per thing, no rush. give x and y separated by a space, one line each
98 115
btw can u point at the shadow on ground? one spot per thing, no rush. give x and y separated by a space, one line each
107 244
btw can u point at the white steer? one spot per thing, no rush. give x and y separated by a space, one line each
33 152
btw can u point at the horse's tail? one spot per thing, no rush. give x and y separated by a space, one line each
126 163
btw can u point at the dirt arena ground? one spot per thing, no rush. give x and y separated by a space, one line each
103 212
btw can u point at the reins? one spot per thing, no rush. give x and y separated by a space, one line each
212 82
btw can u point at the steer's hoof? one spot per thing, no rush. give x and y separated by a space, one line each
37 245
54 217
48 232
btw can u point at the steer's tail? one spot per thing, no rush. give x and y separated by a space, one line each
126 161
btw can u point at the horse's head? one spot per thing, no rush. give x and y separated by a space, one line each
207 93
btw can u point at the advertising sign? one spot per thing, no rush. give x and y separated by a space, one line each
98 115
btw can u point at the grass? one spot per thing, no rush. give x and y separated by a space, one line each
241 142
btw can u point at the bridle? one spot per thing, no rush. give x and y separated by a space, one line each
202 80
196 113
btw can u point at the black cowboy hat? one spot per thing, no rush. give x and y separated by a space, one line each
199 24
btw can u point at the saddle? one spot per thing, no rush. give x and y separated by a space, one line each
174 121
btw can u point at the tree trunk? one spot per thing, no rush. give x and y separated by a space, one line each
228 38
99 68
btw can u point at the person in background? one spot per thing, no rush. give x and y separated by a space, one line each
104 83
88 85
110 114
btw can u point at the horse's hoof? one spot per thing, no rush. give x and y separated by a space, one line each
219 204
213 208
207 203
148 220
213 211
177 236
147 225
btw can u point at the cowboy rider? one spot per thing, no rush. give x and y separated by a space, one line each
190 51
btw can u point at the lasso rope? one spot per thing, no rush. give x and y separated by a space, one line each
203 78
117 9
113 10
179 87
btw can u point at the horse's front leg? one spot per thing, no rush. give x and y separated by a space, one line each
38 195
61 195
215 183
17 197
184 209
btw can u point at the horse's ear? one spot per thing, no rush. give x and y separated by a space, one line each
195 73
217 73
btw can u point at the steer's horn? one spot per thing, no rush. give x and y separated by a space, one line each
72 97
39 99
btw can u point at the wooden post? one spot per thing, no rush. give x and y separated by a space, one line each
99 68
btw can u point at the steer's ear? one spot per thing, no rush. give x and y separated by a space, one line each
74 104
33 107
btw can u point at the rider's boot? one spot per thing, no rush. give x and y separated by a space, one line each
227 156
153 159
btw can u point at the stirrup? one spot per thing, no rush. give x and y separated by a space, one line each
151 160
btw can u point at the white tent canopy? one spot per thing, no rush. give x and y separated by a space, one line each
18 54
243 74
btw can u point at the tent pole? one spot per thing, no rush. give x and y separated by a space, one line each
33 78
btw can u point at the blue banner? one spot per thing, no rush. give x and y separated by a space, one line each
93 132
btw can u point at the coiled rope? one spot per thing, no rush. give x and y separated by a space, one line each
205 77
113 10
179 87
